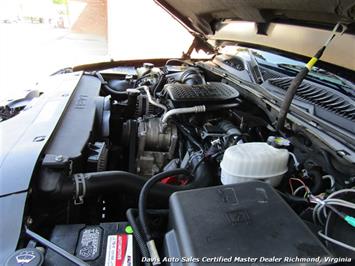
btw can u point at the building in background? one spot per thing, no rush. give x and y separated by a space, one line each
89 16
131 28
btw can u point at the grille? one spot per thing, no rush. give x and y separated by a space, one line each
319 96
269 74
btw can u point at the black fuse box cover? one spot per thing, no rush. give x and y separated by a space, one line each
241 220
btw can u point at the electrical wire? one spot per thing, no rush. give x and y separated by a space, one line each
144 195
331 199
332 180
299 189
330 202
341 191
131 215
300 181
159 84
142 203
137 234
336 242
295 161
187 133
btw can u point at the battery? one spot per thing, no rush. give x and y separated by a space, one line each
106 244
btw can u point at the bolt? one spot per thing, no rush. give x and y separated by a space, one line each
29 221
341 153
59 158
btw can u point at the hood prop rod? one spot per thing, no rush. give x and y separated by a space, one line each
55 248
292 89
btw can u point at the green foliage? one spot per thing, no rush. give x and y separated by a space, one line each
60 2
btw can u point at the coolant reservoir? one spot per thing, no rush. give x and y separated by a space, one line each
253 161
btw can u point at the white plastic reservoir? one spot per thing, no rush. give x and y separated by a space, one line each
253 161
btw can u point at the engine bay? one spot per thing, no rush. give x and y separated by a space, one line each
176 161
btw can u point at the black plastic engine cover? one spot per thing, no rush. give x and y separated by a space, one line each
77 124
213 92
246 220
80 124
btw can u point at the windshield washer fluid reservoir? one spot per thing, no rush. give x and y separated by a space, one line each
253 161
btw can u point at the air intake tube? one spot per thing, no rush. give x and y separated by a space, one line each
99 183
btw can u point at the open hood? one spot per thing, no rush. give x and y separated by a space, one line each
295 26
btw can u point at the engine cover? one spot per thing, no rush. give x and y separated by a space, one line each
210 93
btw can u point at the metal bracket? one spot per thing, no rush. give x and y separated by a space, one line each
80 189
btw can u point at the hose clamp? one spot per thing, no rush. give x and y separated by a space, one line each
80 189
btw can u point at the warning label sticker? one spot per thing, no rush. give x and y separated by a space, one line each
89 244
119 251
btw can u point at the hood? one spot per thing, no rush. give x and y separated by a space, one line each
295 26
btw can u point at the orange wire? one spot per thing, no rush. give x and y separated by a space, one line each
299 180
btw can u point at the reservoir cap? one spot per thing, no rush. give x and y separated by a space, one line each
26 256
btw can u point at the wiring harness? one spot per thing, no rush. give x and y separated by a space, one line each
324 206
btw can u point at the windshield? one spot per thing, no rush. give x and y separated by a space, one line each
267 58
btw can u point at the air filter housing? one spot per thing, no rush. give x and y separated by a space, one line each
210 93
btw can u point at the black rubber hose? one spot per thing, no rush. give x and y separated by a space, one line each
187 133
142 203
137 234
293 200
290 93
295 83
159 85
316 176
114 93
191 76
99 183
178 61
197 165
218 107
